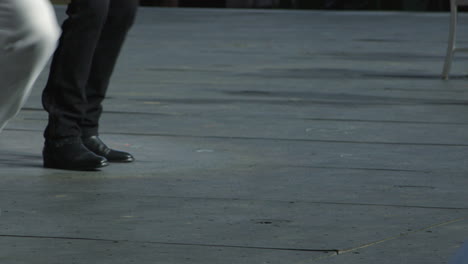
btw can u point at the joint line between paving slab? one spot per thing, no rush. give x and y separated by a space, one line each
314 202
270 200
168 243
308 119
268 139
351 168
391 205
111 112
385 121
294 140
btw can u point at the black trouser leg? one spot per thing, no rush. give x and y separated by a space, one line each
119 20
64 96
82 65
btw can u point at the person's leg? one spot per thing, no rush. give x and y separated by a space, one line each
64 97
119 20
28 36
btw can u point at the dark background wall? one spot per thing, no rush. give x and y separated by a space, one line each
410 5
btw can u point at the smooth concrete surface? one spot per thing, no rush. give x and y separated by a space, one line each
261 136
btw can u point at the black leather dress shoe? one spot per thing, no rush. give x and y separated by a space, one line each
95 144
71 154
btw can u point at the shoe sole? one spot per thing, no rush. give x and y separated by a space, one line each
50 166
121 161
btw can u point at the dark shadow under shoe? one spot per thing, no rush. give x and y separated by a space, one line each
70 154
95 144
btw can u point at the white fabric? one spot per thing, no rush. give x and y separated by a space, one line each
28 37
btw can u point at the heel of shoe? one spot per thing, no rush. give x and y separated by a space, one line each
46 164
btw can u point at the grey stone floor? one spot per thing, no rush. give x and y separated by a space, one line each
290 137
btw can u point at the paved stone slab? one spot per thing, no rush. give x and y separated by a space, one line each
227 152
226 167
208 221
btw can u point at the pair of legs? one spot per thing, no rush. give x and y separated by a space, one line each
28 37
93 35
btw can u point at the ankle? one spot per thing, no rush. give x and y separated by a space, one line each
60 142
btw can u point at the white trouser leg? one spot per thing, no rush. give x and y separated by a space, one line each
28 37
